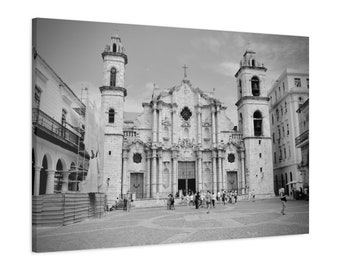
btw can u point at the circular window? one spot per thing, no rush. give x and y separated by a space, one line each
137 158
186 113
231 158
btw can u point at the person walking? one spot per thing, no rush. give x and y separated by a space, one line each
197 200
172 202
213 199
125 202
208 201
283 200
224 197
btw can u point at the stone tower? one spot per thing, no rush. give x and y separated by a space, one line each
112 103
253 122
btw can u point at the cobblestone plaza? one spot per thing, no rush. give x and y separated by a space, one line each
152 226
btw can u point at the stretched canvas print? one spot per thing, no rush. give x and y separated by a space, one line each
145 135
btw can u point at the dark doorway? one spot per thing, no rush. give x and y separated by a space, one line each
232 181
43 177
186 177
136 184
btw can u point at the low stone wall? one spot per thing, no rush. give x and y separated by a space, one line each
66 208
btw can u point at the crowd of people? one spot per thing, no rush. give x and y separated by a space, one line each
203 199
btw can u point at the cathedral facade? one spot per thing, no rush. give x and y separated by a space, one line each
183 140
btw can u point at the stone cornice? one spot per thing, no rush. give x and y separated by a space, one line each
250 67
251 98
116 54
113 88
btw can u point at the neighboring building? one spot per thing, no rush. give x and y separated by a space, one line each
58 159
184 140
302 141
287 94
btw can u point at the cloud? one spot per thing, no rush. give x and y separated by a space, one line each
210 43
227 68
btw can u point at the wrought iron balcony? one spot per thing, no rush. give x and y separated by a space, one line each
302 139
50 129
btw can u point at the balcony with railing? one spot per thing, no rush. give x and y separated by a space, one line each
46 127
236 137
302 139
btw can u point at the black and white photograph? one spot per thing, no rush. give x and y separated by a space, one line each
147 135
169 134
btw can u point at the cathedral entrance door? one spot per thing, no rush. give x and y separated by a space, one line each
186 177
136 184
232 181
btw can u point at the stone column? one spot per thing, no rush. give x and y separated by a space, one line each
199 125
243 173
199 170
154 122
160 170
222 169
213 171
50 182
174 172
64 187
174 125
213 126
218 116
154 174
37 170
125 184
159 137
148 176
219 159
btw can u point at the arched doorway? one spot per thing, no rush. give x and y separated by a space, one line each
33 171
72 177
58 175
43 176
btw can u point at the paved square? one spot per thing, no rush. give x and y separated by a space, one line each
185 224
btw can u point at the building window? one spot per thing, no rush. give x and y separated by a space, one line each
255 86
284 151
240 86
113 77
260 155
280 157
114 47
281 108
137 158
231 158
283 86
261 169
259 142
297 82
307 83
273 137
286 107
186 113
111 116
291 177
283 131
257 123
109 153
277 114
275 157
37 94
63 117
272 119
287 129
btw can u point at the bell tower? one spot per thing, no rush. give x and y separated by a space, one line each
253 122
113 95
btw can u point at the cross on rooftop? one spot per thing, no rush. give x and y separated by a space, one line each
185 71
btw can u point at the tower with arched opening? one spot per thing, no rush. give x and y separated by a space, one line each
253 114
112 99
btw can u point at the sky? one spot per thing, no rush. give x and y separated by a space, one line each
156 55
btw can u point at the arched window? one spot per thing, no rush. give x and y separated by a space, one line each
257 123
113 77
255 86
253 62
111 116
114 47
240 86
241 123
